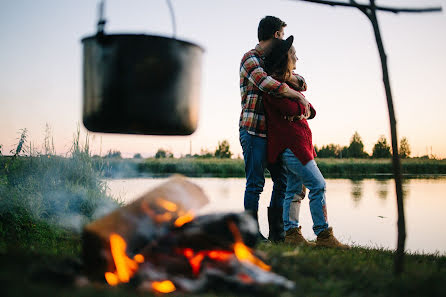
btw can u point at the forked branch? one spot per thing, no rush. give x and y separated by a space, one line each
363 7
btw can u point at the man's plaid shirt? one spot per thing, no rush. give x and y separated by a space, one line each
253 82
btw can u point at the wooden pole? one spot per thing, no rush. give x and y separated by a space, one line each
396 162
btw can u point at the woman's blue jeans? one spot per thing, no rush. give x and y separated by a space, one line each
310 175
254 154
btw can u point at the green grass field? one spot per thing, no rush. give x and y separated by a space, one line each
344 168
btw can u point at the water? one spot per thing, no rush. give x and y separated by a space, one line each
361 212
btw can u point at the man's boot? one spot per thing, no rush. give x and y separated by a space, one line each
327 239
275 221
294 236
260 237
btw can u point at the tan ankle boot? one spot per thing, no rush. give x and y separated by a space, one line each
327 239
294 236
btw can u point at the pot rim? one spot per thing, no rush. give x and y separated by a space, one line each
142 36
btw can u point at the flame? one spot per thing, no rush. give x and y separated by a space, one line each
244 253
183 219
125 267
195 259
220 255
139 258
111 278
195 262
167 205
169 212
163 287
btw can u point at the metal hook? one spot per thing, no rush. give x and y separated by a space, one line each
101 21
172 15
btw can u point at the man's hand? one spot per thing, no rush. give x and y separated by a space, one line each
300 98
293 82
307 111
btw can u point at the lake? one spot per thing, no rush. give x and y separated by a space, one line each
361 212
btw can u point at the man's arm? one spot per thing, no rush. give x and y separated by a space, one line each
297 82
253 71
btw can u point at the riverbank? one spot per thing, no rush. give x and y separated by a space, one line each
330 168
48 264
214 167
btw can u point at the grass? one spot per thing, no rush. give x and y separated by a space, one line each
194 167
48 270
214 167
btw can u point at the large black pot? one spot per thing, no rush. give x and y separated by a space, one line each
141 84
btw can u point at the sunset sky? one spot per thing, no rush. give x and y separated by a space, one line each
41 69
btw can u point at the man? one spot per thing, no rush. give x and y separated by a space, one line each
253 82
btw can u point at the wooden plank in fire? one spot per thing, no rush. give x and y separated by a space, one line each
145 219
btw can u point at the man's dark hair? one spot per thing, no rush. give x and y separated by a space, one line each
268 26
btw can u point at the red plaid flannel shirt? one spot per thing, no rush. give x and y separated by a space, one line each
254 81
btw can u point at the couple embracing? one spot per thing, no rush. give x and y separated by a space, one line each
274 135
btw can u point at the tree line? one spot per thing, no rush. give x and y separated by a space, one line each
222 151
355 149
381 149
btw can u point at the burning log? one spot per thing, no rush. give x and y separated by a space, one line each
157 244
147 218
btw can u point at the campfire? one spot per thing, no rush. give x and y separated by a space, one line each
158 244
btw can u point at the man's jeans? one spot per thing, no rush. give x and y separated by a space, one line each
312 178
254 154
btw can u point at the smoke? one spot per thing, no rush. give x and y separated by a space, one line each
66 192
71 207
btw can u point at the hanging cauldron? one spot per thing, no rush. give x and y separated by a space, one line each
140 84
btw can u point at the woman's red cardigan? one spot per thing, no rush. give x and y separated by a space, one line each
282 133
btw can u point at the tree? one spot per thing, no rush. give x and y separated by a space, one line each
113 154
381 149
356 147
404 148
329 151
137 156
162 153
344 152
222 150
205 154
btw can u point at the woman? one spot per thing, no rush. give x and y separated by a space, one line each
290 138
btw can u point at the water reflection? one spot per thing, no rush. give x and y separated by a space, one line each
406 188
382 186
356 191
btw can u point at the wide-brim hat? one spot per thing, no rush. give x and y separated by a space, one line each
279 49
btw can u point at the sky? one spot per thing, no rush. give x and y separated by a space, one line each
41 69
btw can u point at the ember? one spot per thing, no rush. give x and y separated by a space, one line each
157 244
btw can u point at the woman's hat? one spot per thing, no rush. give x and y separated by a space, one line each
279 49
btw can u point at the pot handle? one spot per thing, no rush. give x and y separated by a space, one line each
102 21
